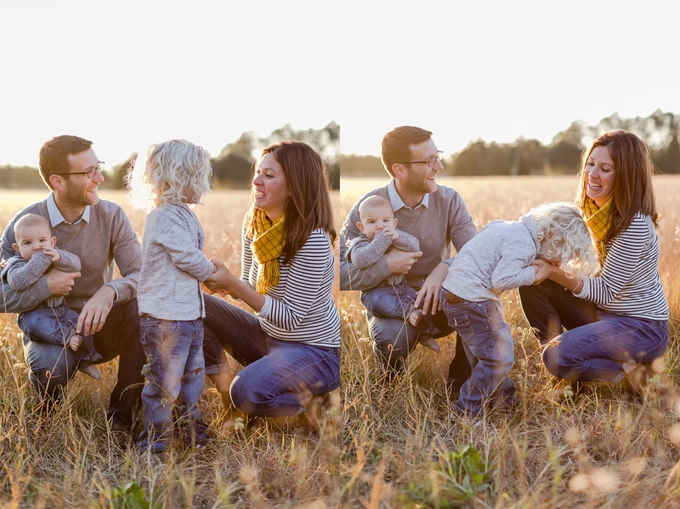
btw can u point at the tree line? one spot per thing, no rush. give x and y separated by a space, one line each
232 168
661 132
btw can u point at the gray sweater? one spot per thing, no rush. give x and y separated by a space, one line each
364 252
444 223
108 237
173 265
21 274
498 258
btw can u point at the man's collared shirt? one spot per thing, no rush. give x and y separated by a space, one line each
398 203
55 216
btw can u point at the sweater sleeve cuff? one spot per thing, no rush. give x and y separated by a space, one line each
266 308
585 290
115 297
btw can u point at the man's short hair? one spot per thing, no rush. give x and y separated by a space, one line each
54 154
396 144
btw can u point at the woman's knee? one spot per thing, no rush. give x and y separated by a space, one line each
242 395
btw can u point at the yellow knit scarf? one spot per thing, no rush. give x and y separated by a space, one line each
597 220
267 247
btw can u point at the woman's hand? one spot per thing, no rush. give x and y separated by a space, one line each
221 281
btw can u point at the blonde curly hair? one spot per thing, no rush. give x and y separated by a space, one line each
571 239
176 171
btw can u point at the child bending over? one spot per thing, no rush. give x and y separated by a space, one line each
497 259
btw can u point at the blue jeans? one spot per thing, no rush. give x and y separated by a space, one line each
595 344
394 339
490 351
175 373
56 326
394 301
279 377
51 367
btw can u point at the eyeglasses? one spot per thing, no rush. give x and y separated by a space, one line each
91 172
430 162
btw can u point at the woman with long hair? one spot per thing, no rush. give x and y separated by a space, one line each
616 322
290 347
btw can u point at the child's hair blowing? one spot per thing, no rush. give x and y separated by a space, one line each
570 239
176 171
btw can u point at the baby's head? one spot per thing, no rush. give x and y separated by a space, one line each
176 171
31 233
565 238
375 213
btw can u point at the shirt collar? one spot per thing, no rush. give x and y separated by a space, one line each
398 203
55 216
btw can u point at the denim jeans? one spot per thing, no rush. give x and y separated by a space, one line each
394 339
56 326
175 373
490 351
595 344
279 377
51 367
394 301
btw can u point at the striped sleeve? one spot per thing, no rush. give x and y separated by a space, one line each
301 307
629 282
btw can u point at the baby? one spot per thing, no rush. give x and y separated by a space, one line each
52 321
393 298
499 258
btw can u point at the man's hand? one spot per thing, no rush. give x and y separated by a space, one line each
400 262
60 283
94 313
428 295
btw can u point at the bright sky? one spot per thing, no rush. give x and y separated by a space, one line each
132 72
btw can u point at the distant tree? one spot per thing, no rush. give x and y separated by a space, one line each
20 177
352 165
564 158
115 178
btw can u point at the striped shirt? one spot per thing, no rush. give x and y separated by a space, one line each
629 282
301 307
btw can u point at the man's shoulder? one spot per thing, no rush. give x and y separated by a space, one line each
108 210
445 194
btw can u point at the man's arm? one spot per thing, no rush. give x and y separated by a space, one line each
128 256
461 229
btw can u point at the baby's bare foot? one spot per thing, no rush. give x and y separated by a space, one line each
91 370
415 317
75 342
430 343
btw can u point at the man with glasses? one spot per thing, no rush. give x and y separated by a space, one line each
438 218
99 233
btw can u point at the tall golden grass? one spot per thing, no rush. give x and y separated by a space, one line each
401 449
69 458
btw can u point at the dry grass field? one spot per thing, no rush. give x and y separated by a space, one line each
70 460
401 449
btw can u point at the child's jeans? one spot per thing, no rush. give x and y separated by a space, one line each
175 374
394 301
489 348
56 326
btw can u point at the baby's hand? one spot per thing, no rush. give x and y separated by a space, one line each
390 232
52 253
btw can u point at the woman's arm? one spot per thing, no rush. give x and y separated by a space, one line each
549 271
